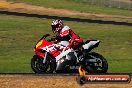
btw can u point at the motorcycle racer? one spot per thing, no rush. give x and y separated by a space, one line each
64 33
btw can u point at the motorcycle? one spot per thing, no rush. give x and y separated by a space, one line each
49 54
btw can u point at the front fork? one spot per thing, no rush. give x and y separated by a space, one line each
44 60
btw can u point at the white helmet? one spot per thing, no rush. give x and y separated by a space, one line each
57 25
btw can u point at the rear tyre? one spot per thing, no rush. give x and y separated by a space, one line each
92 68
39 67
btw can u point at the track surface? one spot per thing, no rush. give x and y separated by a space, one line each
22 7
52 81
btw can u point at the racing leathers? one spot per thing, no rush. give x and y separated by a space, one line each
66 34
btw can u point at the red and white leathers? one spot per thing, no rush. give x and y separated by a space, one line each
66 34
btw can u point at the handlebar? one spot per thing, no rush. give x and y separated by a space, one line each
46 35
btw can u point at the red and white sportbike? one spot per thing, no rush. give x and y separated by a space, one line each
51 57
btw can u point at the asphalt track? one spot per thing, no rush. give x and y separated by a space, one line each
62 74
65 18
31 80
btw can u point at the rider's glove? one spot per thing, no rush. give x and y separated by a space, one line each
51 39
73 42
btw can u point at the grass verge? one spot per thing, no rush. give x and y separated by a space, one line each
77 6
18 35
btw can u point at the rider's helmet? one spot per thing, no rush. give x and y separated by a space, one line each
57 25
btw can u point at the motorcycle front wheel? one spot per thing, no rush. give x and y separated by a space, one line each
39 67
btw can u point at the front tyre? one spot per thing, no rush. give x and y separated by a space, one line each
99 64
39 67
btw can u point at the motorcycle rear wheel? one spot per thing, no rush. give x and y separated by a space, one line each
93 69
39 67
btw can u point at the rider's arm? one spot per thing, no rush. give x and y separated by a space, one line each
75 39
56 39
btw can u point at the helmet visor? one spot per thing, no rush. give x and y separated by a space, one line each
54 27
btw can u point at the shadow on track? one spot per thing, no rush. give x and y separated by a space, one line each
64 74
65 18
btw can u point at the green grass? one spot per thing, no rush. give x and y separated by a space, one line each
77 5
18 35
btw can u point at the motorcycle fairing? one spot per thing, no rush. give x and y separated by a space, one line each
38 48
66 58
63 53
